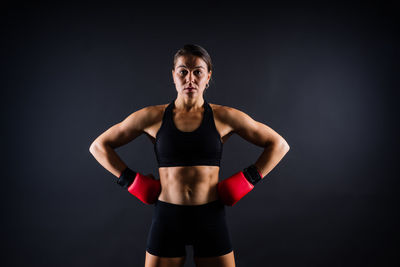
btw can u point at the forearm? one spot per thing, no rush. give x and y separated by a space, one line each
270 157
108 158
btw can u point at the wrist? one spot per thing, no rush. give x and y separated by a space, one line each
252 174
126 178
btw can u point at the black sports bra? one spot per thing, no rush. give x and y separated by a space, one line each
202 146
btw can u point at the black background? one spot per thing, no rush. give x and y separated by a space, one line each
324 75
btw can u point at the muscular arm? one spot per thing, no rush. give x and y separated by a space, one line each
257 133
102 148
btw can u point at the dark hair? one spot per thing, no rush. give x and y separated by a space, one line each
195 50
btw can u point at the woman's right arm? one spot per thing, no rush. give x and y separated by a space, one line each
102 148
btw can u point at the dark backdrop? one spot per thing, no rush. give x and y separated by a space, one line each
321 74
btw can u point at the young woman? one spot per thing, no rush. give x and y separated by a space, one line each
188 134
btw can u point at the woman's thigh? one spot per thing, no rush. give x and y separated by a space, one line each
156 261
227 260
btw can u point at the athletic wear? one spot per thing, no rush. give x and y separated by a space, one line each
203 226
202 146
175 226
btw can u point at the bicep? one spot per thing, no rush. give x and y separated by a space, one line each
251 130
125 131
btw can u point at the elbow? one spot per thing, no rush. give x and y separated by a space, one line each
285 146
94 147
282 144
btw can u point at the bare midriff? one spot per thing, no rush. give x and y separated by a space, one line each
189 185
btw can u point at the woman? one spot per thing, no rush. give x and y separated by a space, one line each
188 135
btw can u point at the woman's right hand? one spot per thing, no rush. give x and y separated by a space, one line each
145 187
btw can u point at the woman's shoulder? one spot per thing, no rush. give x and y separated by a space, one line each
218 107
221 111
150 114
154 108
229 115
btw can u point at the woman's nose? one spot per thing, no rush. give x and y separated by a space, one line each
191 77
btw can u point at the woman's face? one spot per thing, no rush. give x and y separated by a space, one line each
190 72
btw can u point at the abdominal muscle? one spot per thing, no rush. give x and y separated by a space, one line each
189 185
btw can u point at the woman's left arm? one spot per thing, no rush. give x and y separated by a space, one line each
257 133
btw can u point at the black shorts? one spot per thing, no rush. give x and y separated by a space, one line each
202 226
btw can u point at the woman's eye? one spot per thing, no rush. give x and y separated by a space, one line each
184 71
